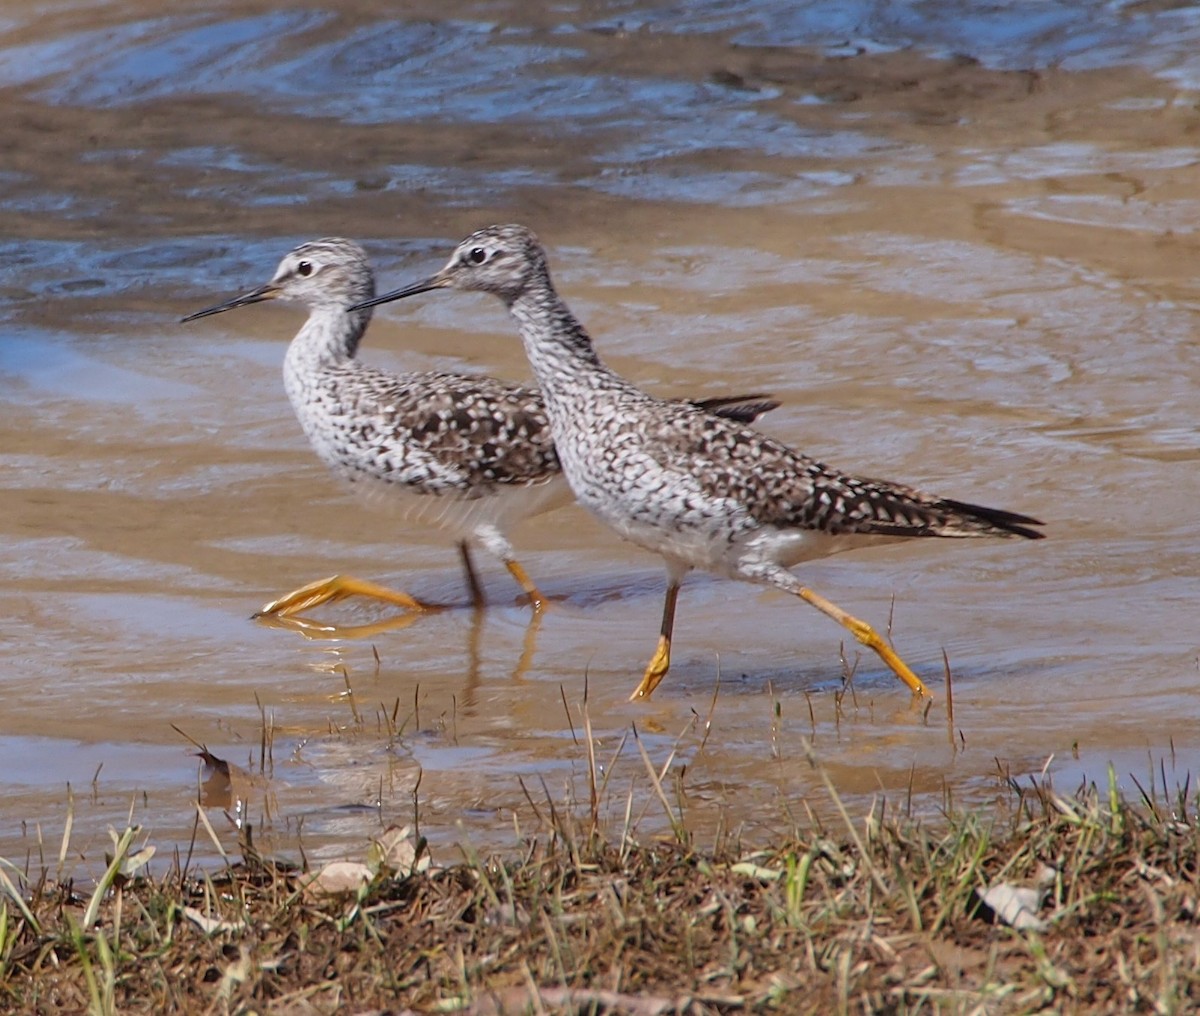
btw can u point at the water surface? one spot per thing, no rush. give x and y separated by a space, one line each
958 249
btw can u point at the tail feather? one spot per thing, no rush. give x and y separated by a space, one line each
739 408
1011 523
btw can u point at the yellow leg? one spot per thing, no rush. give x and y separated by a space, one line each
660 662
535 595
867 636
478 600
338 587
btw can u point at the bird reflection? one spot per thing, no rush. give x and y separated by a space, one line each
323 631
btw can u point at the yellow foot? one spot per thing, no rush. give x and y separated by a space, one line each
867 636
539 603
537 599
338 587
656 670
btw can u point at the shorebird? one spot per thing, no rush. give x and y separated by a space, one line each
470 454
701 491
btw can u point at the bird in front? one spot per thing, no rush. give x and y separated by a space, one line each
701 491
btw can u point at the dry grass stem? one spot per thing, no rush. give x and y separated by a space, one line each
888 914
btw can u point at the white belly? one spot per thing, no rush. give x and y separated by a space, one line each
500 508
714 550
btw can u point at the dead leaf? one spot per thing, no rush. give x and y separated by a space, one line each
209 925
1015 906
393 852
338 877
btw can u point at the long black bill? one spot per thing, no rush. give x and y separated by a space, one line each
433 282
267 292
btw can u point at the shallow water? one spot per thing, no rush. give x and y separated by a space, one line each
958 249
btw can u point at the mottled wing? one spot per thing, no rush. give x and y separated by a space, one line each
776 486
454 433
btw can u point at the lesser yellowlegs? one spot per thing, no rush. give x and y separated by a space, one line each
701 491
472 455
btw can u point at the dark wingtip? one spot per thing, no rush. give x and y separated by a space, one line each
739 408
748 412
1012 523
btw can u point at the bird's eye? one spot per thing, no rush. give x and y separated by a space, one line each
304 268
478 256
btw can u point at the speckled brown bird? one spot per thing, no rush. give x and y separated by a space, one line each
470 454
702 491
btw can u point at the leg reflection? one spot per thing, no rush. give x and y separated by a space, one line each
323 631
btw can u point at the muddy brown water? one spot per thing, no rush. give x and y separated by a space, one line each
960 249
